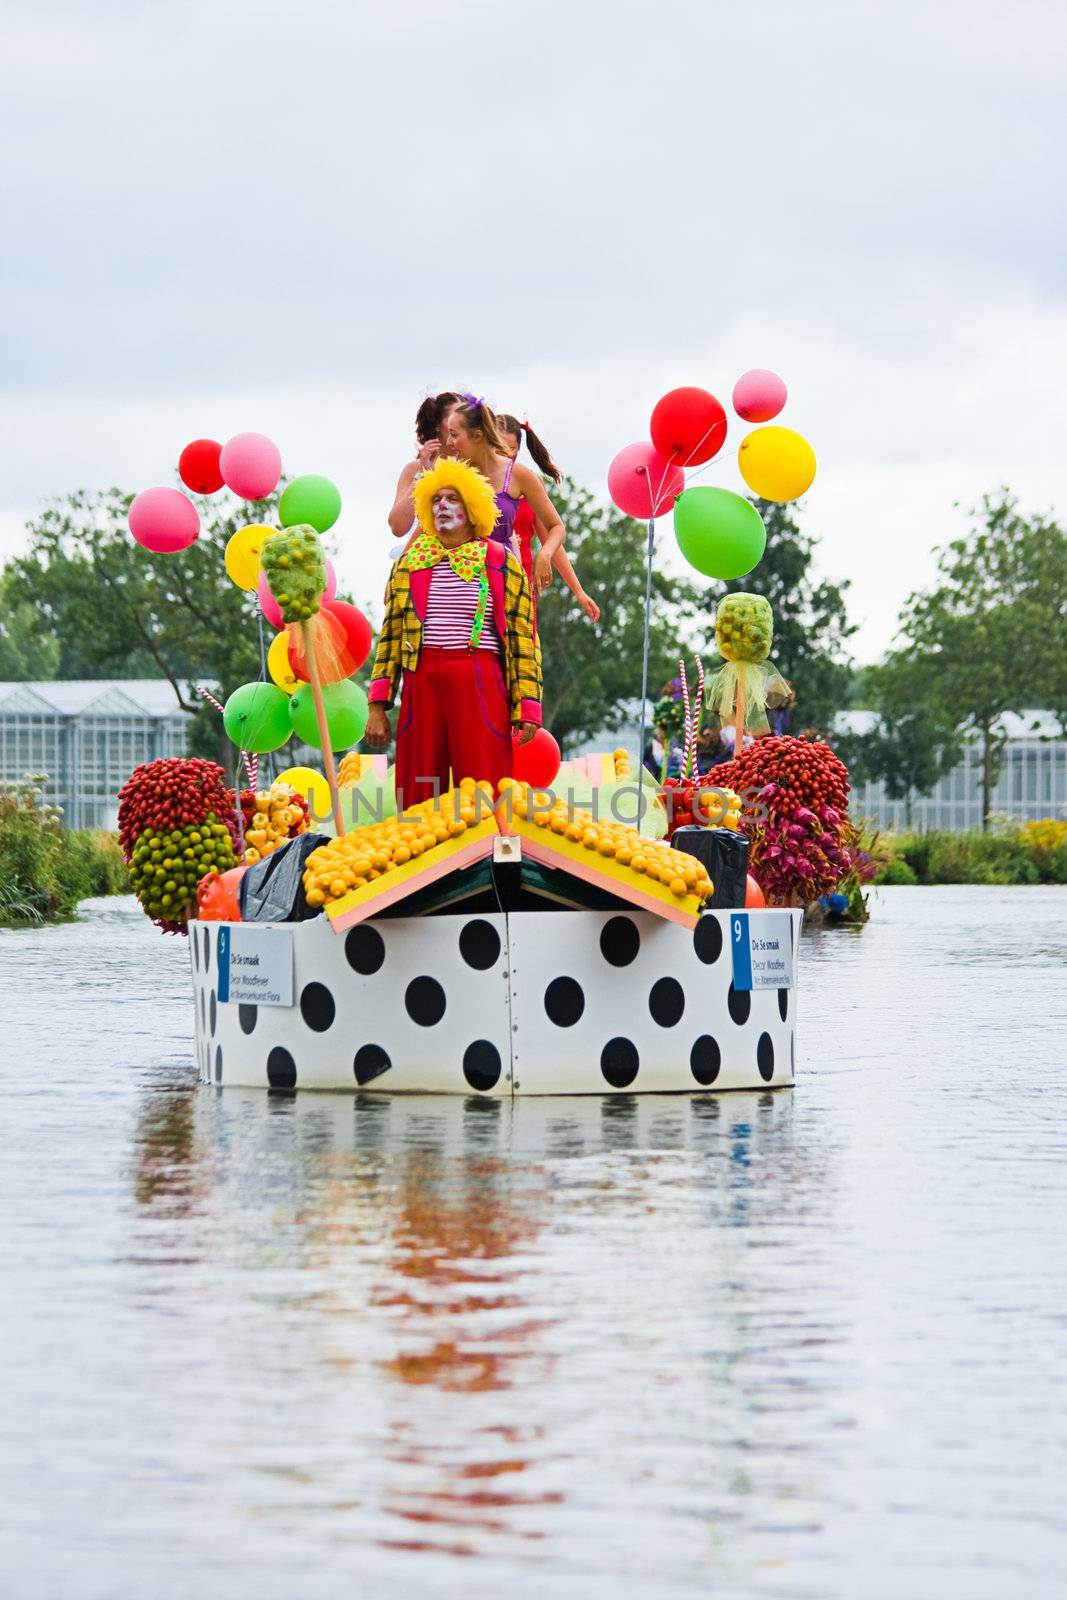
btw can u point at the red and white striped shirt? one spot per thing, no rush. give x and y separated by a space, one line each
450 612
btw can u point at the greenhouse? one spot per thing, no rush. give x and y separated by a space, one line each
87 736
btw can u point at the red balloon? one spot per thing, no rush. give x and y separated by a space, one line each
753 892
643 483
688 427
198 466
536 763
348 643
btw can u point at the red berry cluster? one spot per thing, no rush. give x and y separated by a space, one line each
798 772
796 818
172 793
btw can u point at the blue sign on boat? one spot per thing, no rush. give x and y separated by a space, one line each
761 950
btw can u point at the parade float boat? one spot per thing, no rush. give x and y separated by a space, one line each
510 960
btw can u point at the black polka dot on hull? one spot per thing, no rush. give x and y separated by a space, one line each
370 1062
564 1002
482 1065
739 1005
620 941
218 1064
212 1014
317 1007
281 1069
424 1001
667 1002
247 1016
705 1060
783 1004
479 945
707 939
619 1062
765 1057
364 950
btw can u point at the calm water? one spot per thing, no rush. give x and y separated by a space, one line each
802 1344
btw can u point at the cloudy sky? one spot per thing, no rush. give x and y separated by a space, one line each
299 219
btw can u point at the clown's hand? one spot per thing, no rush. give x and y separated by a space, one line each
378 732
524 732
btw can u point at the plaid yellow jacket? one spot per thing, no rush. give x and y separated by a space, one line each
400 639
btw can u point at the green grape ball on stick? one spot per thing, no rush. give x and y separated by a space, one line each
744 633
295 567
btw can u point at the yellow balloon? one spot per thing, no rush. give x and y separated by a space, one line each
278 664
242 553
314 788
776 463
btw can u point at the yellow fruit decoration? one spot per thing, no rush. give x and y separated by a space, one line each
275 820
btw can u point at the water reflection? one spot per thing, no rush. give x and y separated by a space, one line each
768 1344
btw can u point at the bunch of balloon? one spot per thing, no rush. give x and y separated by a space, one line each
688 428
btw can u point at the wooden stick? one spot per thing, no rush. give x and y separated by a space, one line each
324 731
739 718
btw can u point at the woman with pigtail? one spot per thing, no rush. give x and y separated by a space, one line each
474 436
513 432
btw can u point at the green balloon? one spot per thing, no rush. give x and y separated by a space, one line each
718 532
312 499
256 718
346 714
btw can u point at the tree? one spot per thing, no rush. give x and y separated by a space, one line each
25 652
112 609
811 626
914 742
989 638
593 674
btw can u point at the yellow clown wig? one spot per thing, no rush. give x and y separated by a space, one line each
472 488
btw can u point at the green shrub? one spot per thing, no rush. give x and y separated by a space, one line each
44 871
1003 856
897 872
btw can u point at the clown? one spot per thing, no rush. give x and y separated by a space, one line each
458 631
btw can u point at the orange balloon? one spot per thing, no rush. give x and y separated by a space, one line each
217 895
753 893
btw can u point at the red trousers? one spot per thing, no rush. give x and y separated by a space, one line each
454 722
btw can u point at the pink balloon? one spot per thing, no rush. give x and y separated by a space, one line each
642 483
250 465
163 520
269 606
759 395
267 603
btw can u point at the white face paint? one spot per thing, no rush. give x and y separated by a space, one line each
449 512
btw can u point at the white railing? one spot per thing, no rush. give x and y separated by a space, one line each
1032 785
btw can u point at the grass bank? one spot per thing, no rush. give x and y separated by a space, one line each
1036 853
44 869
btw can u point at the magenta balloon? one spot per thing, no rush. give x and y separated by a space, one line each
250 465
759 395
331 582
643 483
163 520
267 603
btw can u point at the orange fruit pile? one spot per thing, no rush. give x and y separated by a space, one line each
366 854
608 840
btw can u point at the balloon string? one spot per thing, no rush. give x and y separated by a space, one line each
251 766
263 676
696 447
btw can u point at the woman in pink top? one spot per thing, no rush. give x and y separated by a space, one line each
431 440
